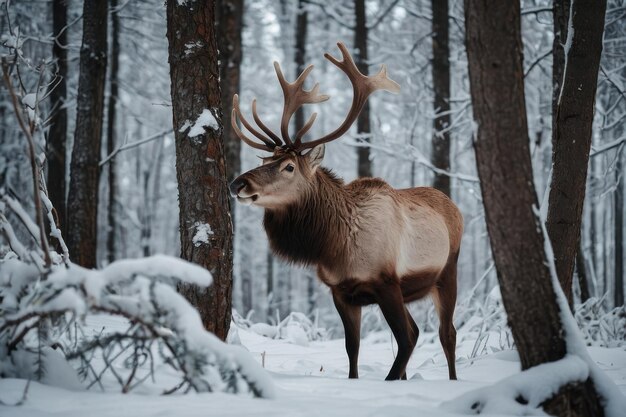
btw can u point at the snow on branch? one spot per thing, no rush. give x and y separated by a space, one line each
522 394
159 328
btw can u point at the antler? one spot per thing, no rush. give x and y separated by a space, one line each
296 96
236 113
362 87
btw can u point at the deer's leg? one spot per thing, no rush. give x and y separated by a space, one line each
414 331
445 301
351 319
389 298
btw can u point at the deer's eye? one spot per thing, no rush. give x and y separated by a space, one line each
289 168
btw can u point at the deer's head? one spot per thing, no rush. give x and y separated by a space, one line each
288 173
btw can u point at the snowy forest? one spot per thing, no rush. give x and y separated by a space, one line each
209 207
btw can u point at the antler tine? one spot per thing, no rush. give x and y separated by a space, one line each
362 86
383 82
236 114
295 96
262 125
240 135
304 129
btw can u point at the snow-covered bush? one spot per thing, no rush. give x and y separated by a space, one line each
160 337
163 330
484 320
296 328
599 326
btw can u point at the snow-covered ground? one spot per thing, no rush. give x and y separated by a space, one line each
310 380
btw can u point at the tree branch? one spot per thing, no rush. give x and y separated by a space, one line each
33 164
384 14
126 146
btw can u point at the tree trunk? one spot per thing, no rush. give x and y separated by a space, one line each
270 282
560 16
300 54
84 172
583 276
300 60
111 136
146 223
573 109
57 136
364 165
205 226
441 86
230 25
494 50
619 233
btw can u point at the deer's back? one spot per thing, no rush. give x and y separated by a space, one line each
398 232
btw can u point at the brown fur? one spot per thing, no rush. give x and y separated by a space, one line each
370 242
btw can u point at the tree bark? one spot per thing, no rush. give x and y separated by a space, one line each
441 85
111 136
619 234
573 109
84 172
300 60
583 277
57 135
560 17
205 226
300 54
230 25
494 50
364 165
270 282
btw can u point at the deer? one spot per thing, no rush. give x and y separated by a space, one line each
370 243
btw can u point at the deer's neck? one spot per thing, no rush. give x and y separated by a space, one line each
315 229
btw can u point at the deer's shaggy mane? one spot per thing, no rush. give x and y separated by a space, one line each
310 230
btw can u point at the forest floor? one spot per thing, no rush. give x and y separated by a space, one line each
311 380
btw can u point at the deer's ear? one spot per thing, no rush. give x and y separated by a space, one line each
316 155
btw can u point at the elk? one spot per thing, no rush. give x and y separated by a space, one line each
371 243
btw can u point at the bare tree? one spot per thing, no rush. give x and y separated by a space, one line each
57 135
84 173
364 165
573 107
302 19
494 50
229 20
111 137
583 278
205 226
441 85
619 233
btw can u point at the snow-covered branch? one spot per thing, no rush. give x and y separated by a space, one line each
159 328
